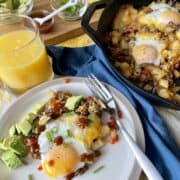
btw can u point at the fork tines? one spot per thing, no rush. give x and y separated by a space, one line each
98 88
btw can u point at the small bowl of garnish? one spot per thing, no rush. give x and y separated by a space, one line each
8 7
48 25
72 13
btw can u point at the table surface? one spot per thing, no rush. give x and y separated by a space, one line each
170 117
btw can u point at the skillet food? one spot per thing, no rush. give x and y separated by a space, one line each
144 45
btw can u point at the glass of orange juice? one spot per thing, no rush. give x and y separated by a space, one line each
24 61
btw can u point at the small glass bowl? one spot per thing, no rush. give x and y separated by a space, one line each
22 9
71 13
48 25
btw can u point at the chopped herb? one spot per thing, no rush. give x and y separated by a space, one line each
54 130
30 177
98 169
49 136
69 133
70 113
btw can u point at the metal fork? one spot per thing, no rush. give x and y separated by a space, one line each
100 90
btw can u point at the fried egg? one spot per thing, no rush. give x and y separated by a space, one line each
160 15
60 160
65 159
147 49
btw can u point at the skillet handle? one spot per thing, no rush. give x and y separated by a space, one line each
87 17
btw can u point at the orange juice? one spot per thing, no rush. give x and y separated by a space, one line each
23 60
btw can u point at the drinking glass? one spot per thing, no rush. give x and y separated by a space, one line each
24 61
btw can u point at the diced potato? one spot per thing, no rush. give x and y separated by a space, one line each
113 133
164 93
115 37
124 44
105 131
125 16
156 72
98 144
164 83
148 87
176 98
175 45
176 74
125 69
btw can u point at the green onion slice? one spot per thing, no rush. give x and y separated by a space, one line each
98 169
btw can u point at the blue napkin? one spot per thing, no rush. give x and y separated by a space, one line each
160 147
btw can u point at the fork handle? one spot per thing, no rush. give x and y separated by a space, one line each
147 166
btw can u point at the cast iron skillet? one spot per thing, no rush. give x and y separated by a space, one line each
104 25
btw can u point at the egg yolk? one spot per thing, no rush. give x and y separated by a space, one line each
171 16
60 161
145 54
91 132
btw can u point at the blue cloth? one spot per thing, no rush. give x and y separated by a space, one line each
160 147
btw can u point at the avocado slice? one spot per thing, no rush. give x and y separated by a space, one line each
73 102
18 129
68 114
11 159
6 143
30 117
25 127
12 130
3 145
34 114
16 144
38 108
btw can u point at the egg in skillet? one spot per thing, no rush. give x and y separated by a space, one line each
148 48
159 15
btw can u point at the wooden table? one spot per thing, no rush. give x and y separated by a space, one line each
62 30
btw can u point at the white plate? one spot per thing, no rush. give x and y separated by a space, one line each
119 161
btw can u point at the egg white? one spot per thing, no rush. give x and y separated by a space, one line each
158 9
155 15
149 41
61 130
